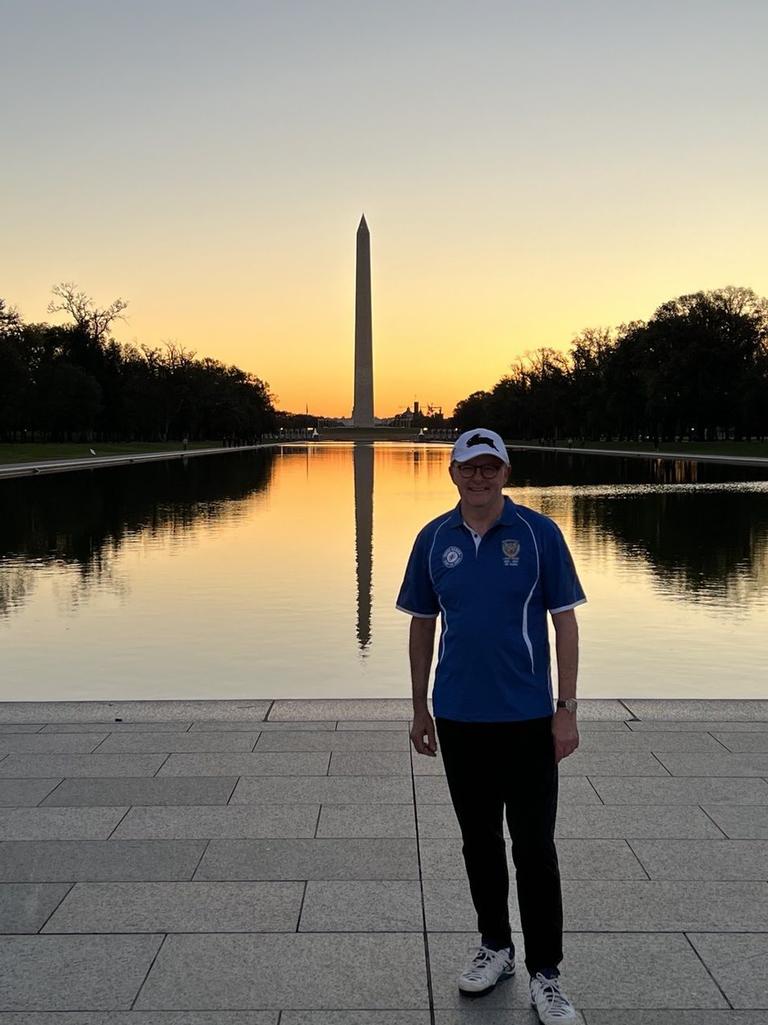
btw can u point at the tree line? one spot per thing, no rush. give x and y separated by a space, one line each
698 369
76 382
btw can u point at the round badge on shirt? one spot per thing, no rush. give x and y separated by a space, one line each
452 556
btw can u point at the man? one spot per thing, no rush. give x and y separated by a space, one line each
492 570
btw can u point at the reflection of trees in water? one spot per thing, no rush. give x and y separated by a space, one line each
84 518
705 544
16 585
553 469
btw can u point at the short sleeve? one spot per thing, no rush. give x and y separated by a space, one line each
417 595
561 586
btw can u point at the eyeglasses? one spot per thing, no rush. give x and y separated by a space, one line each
487 470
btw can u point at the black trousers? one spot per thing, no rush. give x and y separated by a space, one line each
493 768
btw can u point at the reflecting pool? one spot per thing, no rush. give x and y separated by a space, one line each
274 573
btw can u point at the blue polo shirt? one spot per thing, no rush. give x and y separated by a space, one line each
492 594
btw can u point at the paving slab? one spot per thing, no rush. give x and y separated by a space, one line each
475 1013
97 860
597 763
733 741
709 765
579 859
587 727
123 727
660 907
324 790
361 741
738 823
51 743
703 859
739 963
362 906
428 765
288 763
190 743
310 859
602 710
179 907
130 711
59 823
608 970
648 741
399 1017
628 821
680 790
169 790
25 907
25 792
374 724
236 725
651 708
382 970
356 820
366 709
46 766
708 1017
699 726
573 790
60 973
438 821
370 763
142 1018
264 820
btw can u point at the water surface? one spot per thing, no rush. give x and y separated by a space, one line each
274 573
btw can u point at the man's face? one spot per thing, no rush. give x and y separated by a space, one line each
483 488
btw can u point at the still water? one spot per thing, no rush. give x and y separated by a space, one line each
274 573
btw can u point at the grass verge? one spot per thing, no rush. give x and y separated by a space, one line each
33 452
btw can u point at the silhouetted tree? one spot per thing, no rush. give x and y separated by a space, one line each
698 368
75 380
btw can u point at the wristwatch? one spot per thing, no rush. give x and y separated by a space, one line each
570 704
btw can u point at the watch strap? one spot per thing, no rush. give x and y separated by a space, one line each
570 704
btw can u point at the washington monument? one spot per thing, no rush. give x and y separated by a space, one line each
362 410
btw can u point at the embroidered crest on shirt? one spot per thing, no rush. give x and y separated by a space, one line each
511 549
452 556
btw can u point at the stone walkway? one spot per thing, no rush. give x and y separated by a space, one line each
291 863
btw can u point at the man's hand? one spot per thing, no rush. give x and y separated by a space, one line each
423 734
565 732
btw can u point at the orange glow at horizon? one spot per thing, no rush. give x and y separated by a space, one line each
442 329
525 175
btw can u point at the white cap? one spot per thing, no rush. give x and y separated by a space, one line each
479 442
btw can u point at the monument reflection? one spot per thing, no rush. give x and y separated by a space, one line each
362 462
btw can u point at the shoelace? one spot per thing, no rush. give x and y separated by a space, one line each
482 957
558 1005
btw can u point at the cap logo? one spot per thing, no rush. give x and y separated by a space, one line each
480 439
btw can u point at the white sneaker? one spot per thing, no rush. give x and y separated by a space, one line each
552 1005
485 969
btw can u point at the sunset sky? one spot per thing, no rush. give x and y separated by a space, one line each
527 170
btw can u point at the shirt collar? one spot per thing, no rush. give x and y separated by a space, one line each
508 514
